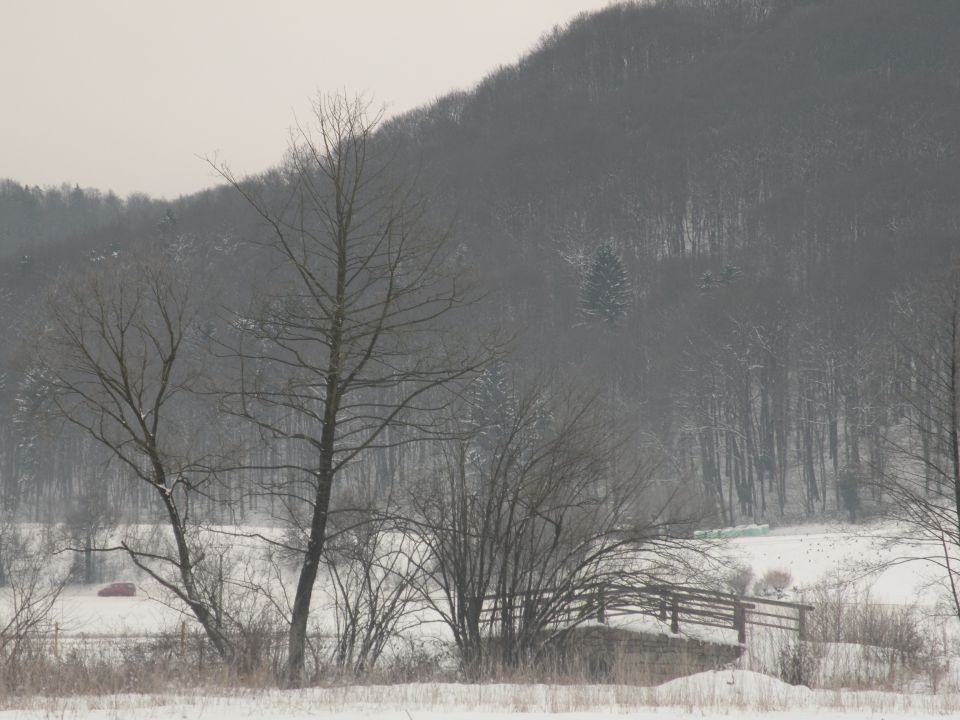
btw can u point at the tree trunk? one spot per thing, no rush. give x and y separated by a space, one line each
297 640
200 609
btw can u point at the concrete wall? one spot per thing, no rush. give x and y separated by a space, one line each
618 655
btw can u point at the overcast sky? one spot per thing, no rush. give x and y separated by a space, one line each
126 94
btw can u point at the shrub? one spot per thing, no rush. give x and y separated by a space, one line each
773 583
867 643
738 579
849 615
797 663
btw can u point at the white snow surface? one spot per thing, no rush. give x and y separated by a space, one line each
816 553
648 625
810 554
79 611
720 694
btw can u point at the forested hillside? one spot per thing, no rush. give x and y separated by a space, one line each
727 217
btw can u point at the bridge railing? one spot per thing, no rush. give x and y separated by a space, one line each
684 605
674 604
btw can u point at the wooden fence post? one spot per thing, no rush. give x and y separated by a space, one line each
802 623
56 640
740 621
601 609
674 614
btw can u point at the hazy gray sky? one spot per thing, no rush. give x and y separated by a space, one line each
125 94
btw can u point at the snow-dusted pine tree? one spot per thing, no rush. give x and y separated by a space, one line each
493 407
605 294
30 461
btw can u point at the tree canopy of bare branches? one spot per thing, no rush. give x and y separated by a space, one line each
522 518
114 353
30 583
924 480
347 347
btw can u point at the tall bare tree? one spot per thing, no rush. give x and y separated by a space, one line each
925 482
114 353
348 343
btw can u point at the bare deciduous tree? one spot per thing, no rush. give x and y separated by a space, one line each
373 586
924 483
520 528
345 350
89 522
32 584
114 352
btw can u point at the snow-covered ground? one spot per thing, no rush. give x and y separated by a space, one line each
810 554
721 694
79 611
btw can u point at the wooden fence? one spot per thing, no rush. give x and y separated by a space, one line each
678 605
690 606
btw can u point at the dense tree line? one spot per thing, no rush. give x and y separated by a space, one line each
771 175
707 209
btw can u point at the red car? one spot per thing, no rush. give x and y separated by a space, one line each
118 589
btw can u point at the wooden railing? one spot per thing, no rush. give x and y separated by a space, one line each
678 605
691 606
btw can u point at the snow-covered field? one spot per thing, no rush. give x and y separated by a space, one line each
79 611
840 553
810 554
721 694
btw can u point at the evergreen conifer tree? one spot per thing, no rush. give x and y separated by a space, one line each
494 405
605 294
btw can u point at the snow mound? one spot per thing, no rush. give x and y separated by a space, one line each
732 688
